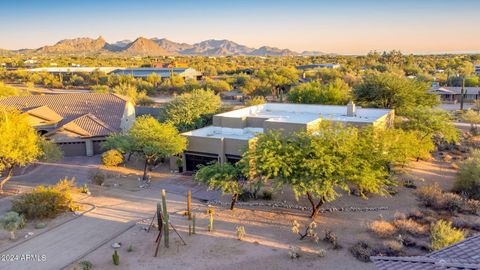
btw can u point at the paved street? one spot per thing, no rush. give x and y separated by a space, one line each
50 173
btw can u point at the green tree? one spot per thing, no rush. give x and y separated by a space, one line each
153 140
316 164
19 145
225 177
390 91
473 118
255 101
468 177
430 123
191 110
336 92
218 86
7 91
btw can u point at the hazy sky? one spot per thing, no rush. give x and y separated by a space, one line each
341 26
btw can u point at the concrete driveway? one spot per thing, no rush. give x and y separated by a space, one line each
50 173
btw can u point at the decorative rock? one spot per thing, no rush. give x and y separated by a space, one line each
116 245
76 213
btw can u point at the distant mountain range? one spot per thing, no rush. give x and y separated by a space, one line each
161 46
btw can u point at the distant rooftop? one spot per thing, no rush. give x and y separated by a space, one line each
73 69
222 132
162 72
303 114
323 65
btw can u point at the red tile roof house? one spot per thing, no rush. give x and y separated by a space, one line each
464 255
78 123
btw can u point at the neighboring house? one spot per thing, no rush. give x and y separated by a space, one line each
232 131
187 73
78 123
464 255
453 94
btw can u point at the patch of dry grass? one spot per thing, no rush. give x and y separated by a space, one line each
382 228
411 226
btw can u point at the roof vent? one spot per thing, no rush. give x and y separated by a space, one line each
351 110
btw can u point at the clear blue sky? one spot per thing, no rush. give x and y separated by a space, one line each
342 26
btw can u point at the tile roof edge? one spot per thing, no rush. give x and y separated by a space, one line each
454 245
97 120
423 259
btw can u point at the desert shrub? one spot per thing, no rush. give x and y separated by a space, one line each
46 201
98 178
85 265
362 251
468 177
430 196
240 232
472 206
452 202
11 222
332 238
294 252
267 195
112 158
443 234
391 248
410 226
415 214
399 216
382 228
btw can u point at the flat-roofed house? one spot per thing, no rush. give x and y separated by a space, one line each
233 131
78 123
186 73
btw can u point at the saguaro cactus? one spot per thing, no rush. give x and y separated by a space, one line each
193 224
166 219
159 215
116 258
189 205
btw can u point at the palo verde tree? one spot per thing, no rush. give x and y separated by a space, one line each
152 141
384 90
430 124
20 143
315 164
191 110
225 177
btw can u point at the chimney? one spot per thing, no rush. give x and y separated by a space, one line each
351 110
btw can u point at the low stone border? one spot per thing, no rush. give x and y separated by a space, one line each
299 207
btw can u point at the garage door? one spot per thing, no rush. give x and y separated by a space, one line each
194 159
97 147
73 149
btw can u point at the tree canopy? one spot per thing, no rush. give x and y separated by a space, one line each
20 143
383 90
225 177
153 140
336 92
316 164
191 110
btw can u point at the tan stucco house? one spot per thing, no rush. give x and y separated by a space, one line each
232 131
78 123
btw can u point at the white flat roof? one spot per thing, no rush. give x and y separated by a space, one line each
303 114
222 132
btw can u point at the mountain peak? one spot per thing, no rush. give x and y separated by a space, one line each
162 46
